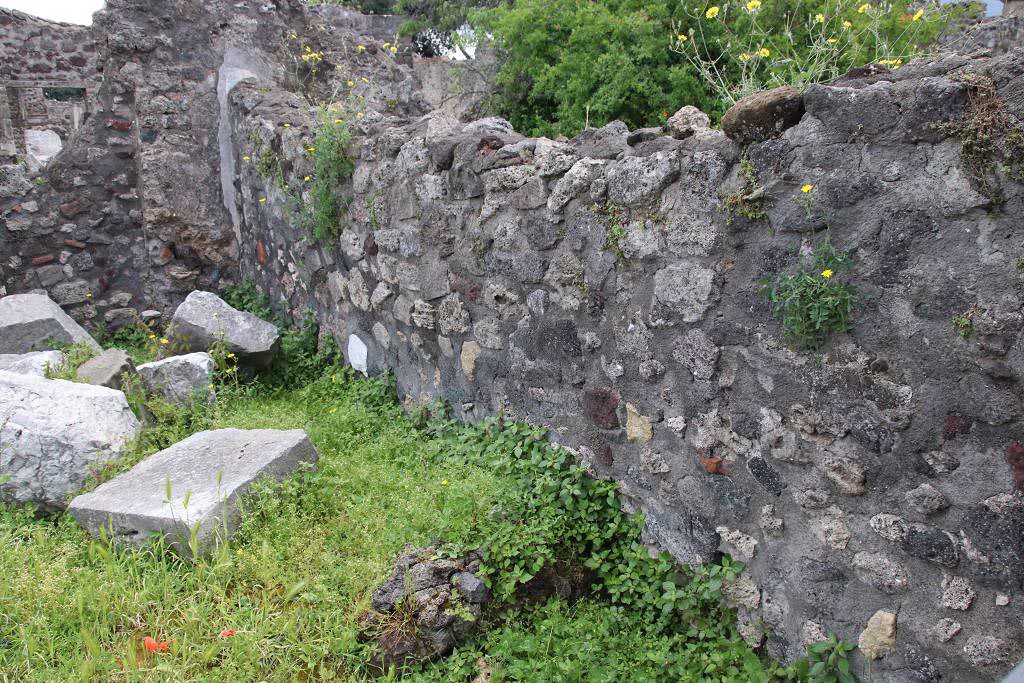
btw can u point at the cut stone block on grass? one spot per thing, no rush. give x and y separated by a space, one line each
54 434
204 318
109 369
180 379
208 474
34 363
28 321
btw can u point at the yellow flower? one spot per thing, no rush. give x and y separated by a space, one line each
847 23
806 188
152 336
359 115
307 179
360 48
764 53
830 41
827 273
386 45
917 15
444 482
394 49
364 79
820 18
864 8
263 200
351 83
744 57
332 410
164 341
231 355
286 125
311 149
682 38
339 120
712 12
245 158
753 5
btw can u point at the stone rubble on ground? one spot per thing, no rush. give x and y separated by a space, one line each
109 369
36 363
29 321
180 379
204 320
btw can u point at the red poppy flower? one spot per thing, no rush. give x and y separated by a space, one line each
154 646
227 633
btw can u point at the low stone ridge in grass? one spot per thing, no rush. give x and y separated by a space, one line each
29 321
207 474
54 434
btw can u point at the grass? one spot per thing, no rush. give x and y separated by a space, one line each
292 584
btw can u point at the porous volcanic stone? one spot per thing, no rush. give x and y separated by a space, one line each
204 318
28 321
763 115
54 432
180 379
207 473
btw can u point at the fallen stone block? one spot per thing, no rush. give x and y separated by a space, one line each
180 379
34 363
109 369
207 475
54 433
204 318
28 321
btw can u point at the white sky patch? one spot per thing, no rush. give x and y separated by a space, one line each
68 11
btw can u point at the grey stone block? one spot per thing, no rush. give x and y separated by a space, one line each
109 369
28 321
204 318
180 378
207 475
53 433
34 363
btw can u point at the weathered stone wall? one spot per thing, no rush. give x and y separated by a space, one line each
876 475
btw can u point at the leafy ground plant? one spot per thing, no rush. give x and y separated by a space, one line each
813 298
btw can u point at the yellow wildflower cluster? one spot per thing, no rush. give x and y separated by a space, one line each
391 48
763 53
753 6
712 12
309 56
893 63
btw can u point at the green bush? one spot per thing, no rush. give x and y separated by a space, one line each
569 64
333 166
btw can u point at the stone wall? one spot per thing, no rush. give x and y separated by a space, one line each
596 287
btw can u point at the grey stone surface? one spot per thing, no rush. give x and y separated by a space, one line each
33 363
109 369
180 379
208 475
203 320
27 321
54 434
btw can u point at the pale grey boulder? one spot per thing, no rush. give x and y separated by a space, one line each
28 321
180 379
54 433
34 363
204 318
208 474
109 369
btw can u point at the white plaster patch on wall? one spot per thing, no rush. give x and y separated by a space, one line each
357 353
40 147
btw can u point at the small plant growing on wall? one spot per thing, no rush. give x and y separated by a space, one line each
813 298
333 166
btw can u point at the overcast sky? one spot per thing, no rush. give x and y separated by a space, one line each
70 11
80 11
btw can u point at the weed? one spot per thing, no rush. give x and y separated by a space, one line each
615 228
964 322
812 297
75 355
991 139
750 201
333 166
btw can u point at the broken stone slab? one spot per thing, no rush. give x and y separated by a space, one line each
207 474
204 319
763 115
34 363
54 434
109 369
29 321
180 379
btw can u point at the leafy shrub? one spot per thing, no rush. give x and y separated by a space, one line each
569 64
745 46
812 297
